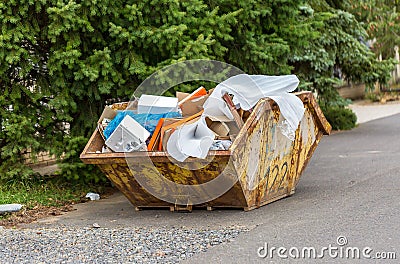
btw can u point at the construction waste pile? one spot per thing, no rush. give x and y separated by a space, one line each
190 125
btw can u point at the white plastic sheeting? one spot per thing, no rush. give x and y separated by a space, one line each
191 140
196 139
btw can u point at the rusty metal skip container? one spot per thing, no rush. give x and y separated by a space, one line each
264 164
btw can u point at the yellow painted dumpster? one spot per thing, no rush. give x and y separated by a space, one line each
262 165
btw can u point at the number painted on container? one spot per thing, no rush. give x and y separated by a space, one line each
275 173
284 165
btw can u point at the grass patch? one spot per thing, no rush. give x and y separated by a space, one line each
43 197
44 193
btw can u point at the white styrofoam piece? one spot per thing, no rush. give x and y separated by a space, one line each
8 208
128 136
157 104
93 196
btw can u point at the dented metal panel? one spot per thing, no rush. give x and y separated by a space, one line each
265 164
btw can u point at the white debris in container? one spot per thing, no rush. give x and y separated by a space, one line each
135 146
105 149
221 145
105 122
247 90
128 136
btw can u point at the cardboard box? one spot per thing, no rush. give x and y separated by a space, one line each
219 128
128 136
199 92
231 124
108 113
192 106
157 104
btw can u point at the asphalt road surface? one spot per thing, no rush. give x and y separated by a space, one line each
351 190
348 198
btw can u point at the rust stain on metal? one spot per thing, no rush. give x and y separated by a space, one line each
266 164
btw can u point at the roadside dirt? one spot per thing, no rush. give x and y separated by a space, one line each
25 216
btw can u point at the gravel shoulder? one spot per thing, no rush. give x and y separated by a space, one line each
63 244
111 231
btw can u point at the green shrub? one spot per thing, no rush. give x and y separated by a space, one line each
340 118
373 97
72 168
